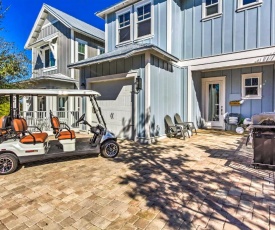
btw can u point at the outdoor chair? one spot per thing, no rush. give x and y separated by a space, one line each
189 125
174 130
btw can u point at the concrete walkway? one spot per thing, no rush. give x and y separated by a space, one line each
204 182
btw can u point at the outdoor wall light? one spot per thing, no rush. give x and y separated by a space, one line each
138 84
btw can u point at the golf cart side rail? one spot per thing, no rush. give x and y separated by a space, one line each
48 92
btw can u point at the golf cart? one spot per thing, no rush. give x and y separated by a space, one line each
19 145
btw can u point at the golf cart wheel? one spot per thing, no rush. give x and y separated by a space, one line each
8 163
110 149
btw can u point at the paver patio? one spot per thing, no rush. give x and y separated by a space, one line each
202 182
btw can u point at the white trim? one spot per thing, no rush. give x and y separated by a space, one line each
205 102
50 23
72 52
169 26
147 93
119 13
251 57
252 75
106 33
138 5
49 68
218 14
242 7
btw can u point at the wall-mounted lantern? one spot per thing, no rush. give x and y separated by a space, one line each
138 84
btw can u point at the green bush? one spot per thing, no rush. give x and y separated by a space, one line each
4 108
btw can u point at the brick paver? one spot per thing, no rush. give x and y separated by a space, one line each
203 182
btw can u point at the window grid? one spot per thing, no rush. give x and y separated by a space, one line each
251 86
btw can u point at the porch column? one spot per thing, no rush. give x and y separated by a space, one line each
35 109
48 103
70 110
147 95
24 106
54 104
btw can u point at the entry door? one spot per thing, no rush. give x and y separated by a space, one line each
214 101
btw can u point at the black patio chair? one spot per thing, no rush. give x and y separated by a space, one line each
174 130
189 125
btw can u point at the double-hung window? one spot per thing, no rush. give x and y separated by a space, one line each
243 4
252 86
124 27
144 20
211 8
81 49
49 58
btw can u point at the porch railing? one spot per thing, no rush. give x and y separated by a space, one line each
41 119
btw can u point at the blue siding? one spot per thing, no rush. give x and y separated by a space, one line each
177 29
233 31
234 87
160 27
168 94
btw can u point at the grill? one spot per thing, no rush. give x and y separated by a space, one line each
263 142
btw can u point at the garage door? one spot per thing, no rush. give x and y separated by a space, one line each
116 102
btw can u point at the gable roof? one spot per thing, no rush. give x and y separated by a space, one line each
124 52
115 7
67 20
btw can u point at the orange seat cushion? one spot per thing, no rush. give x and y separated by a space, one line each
66 135
39 137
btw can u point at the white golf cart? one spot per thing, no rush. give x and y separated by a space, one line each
19 145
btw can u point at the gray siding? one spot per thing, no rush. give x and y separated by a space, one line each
63 50
160 27
168 94
232 32
234 87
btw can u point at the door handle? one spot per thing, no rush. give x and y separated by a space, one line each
221 110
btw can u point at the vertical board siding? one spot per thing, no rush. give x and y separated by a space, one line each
177 29
234 86
167 95
160 27
233 31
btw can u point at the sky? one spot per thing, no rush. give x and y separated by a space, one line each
21 15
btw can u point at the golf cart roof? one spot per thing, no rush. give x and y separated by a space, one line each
48 92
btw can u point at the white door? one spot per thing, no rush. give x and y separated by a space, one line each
116 102
213 93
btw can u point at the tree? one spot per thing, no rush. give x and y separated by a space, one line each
14 66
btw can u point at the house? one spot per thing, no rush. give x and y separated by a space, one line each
190 57
56 40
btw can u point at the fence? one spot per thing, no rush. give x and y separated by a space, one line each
41 119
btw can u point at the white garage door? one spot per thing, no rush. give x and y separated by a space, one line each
116 104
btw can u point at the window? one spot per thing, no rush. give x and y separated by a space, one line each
49 59
244 4
252 86
81 51
100 50
144 20
211 8
124 27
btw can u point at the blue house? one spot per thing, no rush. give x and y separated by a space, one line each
190 57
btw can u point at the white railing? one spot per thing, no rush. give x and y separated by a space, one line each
41 119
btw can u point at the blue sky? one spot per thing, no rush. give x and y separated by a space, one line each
20 17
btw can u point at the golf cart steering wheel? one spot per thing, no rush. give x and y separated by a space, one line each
81 118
